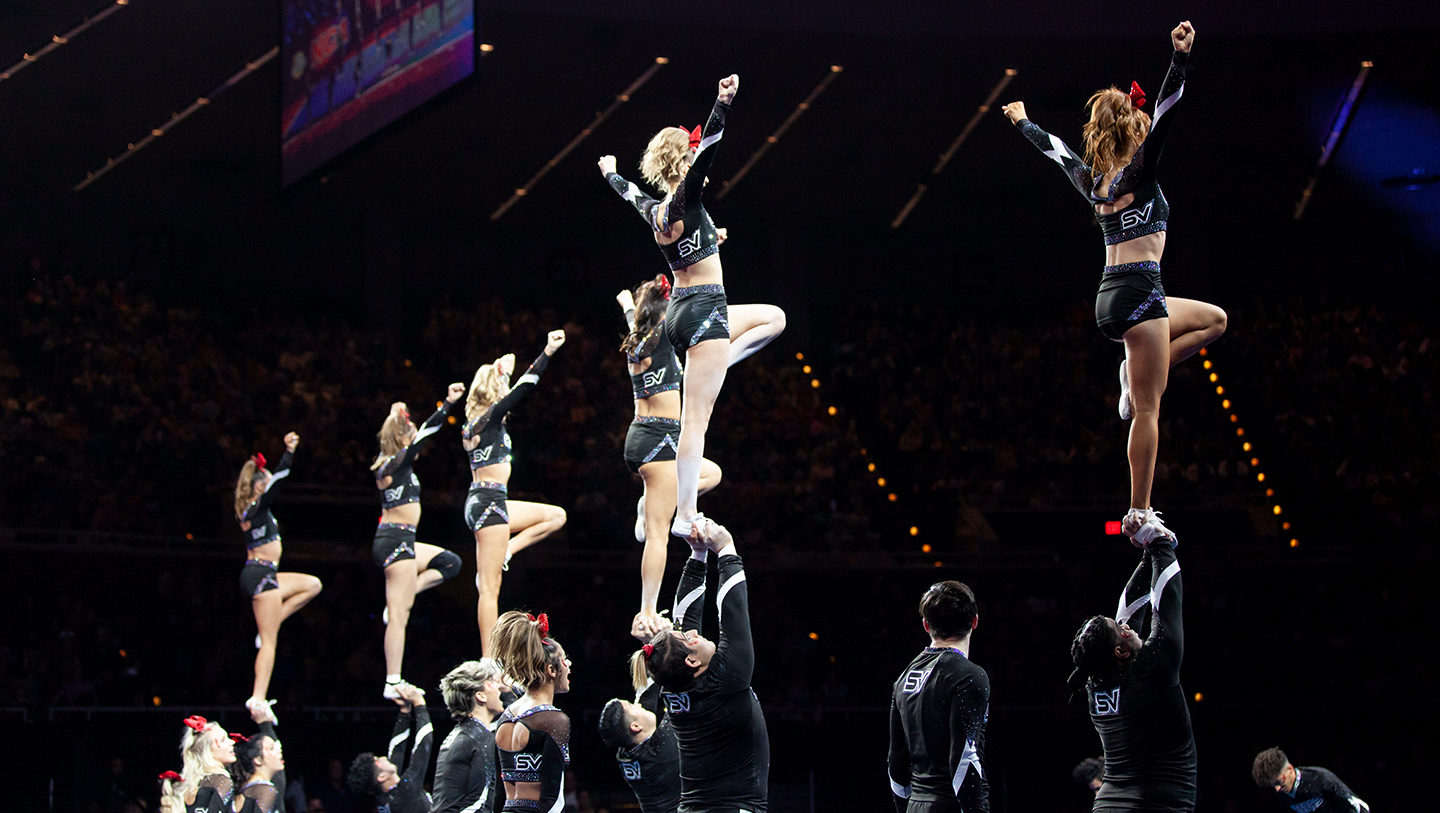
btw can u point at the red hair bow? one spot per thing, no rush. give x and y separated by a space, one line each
542 621
695 138
648 649
171 775
259 459
664 286
197 722
239 738
1137 96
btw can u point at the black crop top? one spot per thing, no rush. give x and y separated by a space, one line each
404 486
1149 211
491 440
264 528
544 758
665 373
699 239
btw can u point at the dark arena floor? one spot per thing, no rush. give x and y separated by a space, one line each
939 406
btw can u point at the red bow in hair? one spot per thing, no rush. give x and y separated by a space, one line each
664 286
1137 96
239 738
695 138
171 775
197 722
542 621
259 459
648 650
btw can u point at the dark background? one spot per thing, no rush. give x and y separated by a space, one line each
956 350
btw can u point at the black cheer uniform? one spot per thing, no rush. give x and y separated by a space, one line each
938 711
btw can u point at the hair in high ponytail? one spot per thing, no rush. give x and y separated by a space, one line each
1115 130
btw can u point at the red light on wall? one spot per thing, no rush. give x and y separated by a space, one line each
1112 528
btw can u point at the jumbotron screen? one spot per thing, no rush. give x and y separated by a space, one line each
352 66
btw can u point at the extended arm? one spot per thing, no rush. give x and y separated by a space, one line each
688 193
633 195
424 741
899 760
268 729
1135 599
518 392
1167 627
399 736
1080 175
1170 92
431 426
689 609
735 651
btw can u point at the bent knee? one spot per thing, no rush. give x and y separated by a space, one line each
777 319
557 516
1220 321
314 586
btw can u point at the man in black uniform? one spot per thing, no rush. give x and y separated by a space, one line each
399 790
1303 790
724 746
646 748
1136 702
938 711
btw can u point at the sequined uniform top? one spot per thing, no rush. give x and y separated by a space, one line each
492 441
1317 790
652 768
1140 712
544 758
1149 210
404 486
724 744
664 373
699 239
213 794
938 710
466 775
263 527
410 745
261 796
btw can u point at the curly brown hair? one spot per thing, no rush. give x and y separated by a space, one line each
1115 130
665 157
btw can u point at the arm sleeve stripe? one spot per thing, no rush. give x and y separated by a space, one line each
397 740
682 604
279 475
709 141
1159 588
420 736
1165 104
725 588
903 791
970 757
425 433
528 378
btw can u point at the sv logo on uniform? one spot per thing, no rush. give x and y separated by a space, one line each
258 532
689 244
631 769
914 679
677 703
528 762
1106 703
393 494
1129 218
484 454
654 379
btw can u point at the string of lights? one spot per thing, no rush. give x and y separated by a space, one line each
175 118
621 98
954 147
1247 446
871 468
774 137
56 41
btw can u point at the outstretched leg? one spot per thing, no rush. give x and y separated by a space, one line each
532 522
1147 345
751 328
705 366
